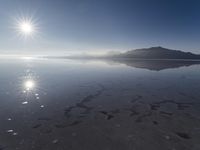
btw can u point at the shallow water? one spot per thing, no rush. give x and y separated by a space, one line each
58 104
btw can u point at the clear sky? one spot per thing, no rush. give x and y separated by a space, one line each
100 25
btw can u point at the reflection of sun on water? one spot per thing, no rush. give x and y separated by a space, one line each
29 85
30 89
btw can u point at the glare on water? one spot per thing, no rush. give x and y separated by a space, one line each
29 84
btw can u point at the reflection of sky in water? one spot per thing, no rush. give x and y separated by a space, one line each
34 92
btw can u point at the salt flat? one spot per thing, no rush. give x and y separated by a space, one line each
53 104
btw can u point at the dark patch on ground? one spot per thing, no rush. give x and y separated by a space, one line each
60 125
84 101
44 119
46 130
108 115
115 111
133 111
186 95
154 106
87 109
155 122
68 110
141 117
2 147
89 98
183 135
67 125
37 126
166 113
136 98
75 123
180 105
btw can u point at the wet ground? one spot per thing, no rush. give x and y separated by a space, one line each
98 105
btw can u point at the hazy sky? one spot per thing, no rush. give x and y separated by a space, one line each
98 25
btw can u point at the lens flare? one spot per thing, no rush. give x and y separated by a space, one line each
26 27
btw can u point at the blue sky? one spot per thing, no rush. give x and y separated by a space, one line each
101 25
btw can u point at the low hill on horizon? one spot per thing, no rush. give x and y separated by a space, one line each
157 53
143 53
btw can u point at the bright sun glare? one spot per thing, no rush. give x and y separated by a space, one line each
29 84
26 28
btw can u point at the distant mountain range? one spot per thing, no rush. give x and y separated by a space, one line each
144 53
156 53
154 58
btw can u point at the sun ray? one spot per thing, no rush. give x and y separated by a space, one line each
26 27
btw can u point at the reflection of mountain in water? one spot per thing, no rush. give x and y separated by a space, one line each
156 65
156 58
153 58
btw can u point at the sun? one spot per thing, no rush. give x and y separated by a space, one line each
26 28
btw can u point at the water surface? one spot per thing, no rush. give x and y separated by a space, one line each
58 104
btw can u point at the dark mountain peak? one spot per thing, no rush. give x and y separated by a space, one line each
156 48
159 53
